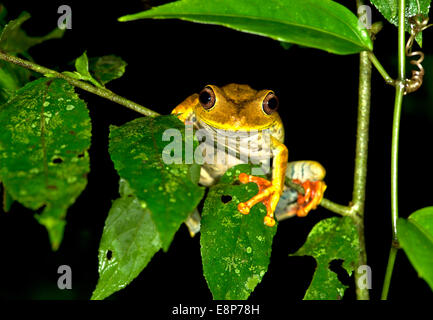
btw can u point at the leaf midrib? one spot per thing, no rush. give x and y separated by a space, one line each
42 128
422 230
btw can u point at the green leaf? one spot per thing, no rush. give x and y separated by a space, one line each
235 248
14 40
136 149
82 65
330 239
128 243
389 9
12 77
3 13
286 45
7 200
82 70
416 238
321 24
73 74
107 68
44 140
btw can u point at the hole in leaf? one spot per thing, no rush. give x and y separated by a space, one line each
236 182
81 155
39 211
226 198
109 254
57 160
342 275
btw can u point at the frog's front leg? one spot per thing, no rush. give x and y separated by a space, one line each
269 192
310 175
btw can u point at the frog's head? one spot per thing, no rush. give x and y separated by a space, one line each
238 107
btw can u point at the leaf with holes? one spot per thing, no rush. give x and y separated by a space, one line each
44 140
321 24
415 235
142 156
14 40
330 239
107 68
235 248
389 9
128 243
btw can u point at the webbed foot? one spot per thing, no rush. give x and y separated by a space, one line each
268 195
313 196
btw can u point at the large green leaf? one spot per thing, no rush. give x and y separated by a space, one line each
129 241
389 9
416 238
321 24
43 150
330 239
235 248
14 40
136 149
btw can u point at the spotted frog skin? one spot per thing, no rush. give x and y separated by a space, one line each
239 108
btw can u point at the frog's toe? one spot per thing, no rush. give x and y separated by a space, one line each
269 221
261 182
243 208
313 196
267 195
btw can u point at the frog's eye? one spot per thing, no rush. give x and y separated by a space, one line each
270 103
207 98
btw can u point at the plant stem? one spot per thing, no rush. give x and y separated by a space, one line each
105 93
394 157
360 175
380 68
394 188
345 211
389 269
400 87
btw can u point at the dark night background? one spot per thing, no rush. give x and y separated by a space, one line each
171 59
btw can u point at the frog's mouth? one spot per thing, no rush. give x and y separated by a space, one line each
215 127
254 143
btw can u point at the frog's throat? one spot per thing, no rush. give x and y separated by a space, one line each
211 126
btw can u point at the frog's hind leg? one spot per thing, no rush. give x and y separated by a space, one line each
288 205
310 175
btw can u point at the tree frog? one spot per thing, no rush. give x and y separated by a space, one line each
239 108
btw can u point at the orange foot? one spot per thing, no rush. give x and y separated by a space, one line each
268 195
313 195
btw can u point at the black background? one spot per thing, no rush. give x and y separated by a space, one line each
171 59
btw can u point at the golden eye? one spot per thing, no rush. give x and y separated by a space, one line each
270 103
207 98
